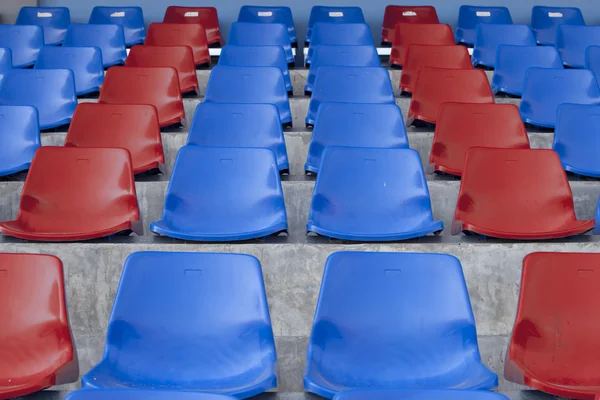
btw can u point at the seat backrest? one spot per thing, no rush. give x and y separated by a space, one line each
258 34
130 18
19 137
489 36
336 15
592 60
269 15
205 16
408 34
409 15
339 34
572 42
53 20
24 41
5 61
576 134
471 16
545 21
171 34
110 38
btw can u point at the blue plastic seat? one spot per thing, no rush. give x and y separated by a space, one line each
5 61
471 16
237 197
513 61
130 18
257 34
85 62
371 195
355 125
239 125
51 91
148 394
195 322
350 85
19 138
270 15
249 85
24 41
53 20
489 36
257 56
340 35
394 320
418 394
336 15
545 20
592 60
572 42
546 89
109 38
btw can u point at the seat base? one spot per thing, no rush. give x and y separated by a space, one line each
12 228
576 228
162 228
436 227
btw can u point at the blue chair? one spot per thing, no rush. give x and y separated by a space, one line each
85 62
394 320
489 36
596 230
249 85
239 125
350 85
513 61
257 56
257 34
109 38
53 20
417 394
592 60
51 91
140 394
130 18
336 15
5 61
545 89
545 20
355 125
340 35
194 322
24 42
471 16
572 42
19 138
270 15
238 197
371 195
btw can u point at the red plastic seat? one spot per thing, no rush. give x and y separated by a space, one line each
179 57
205 16
406 15
516 194
192 35
37 349
129 126
407 34
435 86
155 86
76 194
419 56
556 338
461 126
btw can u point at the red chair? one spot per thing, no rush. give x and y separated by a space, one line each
406 15
192 35
155 86
37 348
461 126
407 34
419 56
556 338
517 194
129 126
179 57
75 194
435 86
205 16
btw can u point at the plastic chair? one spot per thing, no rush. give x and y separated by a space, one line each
471 16
19 138
249 85
51 91
24 41
371 195
239 125
512 62
592 60
37 347
355 125
194 322
131 127
418 394
238 198
130 18
205 16
53 20
179 57
270 15
156 86
340 35
406 15
420 56
192 35
461 126
596 230
553 333
410 34
369 329
109 38
74 194
336 15
545 20
142 394
350 85
5 61
435 86
545 89
572 42
516 194
257 34
85 62
488 37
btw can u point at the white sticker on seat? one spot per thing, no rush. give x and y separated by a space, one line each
118 14
483 14
44 15
555 14
336 14
191 14
409 14
265 13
